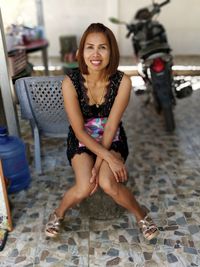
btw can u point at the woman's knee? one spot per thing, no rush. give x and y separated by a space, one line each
109 187
82 192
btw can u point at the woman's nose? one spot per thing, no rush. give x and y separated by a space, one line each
96 52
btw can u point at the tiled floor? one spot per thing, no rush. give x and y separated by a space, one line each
164 172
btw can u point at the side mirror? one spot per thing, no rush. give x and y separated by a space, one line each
116 21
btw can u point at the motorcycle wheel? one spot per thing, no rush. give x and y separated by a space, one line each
169 119
157 104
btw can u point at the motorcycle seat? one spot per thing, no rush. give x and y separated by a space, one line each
154 49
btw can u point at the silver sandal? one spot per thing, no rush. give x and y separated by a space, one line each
148 228
53 225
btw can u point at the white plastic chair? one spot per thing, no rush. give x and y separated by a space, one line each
41 103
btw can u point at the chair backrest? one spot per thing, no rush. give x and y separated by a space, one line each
41 102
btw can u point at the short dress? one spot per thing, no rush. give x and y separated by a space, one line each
96 117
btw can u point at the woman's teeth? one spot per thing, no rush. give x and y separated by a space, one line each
95 62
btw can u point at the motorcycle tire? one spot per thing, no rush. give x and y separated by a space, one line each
157 104
169 119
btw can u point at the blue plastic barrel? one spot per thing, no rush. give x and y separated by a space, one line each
14 162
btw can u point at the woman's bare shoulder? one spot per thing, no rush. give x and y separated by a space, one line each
125 83
68 86
67 81
126 79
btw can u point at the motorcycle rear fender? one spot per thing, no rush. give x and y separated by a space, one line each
162 87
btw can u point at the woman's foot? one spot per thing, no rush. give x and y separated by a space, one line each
53 225
148 228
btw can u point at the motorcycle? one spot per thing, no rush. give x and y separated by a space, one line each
153 52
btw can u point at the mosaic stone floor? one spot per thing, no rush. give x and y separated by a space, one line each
164 172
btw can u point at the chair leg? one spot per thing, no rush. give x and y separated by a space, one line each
37 152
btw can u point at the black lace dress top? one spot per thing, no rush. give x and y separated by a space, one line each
91 111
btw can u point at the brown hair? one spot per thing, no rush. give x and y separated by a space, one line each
114 50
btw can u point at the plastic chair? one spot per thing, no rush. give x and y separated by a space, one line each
41 103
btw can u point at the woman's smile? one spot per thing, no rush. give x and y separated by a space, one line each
96 62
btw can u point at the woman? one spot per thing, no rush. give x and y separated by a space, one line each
95 97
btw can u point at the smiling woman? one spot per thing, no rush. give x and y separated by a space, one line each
95 45
96 51
95 98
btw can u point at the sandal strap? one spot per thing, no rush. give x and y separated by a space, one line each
146 221
54 223
55 218
147 225
52 229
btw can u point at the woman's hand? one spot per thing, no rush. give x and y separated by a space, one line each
118 168
116 165
94 179
95 175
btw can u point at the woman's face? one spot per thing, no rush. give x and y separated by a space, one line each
96 51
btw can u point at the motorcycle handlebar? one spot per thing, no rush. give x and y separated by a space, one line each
164 3
132 28
156 7
128 34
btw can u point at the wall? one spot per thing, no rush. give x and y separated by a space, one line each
70 17
73 17
180 18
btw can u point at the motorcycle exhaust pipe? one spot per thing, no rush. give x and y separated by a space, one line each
183 90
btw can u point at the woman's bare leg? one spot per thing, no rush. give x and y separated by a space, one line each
82 165
120 193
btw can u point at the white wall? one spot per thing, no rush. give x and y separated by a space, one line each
70 17
181 19
63 17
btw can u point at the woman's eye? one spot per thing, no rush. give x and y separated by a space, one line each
89 47
102 47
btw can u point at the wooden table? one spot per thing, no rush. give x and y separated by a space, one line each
38 45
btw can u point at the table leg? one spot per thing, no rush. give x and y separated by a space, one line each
45 60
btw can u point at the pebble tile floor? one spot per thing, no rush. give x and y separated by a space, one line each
164 175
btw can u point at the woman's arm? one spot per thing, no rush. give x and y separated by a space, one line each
117 111
119 106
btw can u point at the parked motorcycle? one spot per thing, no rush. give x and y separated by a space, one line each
153 52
